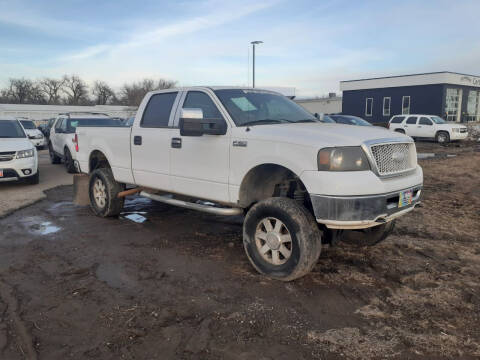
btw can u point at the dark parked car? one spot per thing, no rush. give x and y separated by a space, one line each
347 119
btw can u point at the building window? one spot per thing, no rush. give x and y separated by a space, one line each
386 106
405 105
368 107
453 103
473 106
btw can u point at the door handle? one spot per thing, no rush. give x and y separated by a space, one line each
419 126
137 140
176 143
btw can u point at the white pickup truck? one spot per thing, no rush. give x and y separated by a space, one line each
299 182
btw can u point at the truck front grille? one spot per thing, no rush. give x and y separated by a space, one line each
393 159
7 156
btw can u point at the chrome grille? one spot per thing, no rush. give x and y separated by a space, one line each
7 156
395 158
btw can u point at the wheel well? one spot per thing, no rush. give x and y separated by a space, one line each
272 180
442 131
98 160
400 130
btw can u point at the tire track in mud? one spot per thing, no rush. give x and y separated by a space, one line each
25 341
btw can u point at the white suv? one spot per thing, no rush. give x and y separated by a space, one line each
62 143
428 126
18 157
35 135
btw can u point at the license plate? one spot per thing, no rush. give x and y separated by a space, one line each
405 198
1 173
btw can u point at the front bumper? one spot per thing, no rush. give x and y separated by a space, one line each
39 142
359 212
458 136
15 169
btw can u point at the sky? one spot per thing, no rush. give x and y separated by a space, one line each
309 45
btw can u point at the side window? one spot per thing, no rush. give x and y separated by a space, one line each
200 100
157 112
397 119
425 121
368 106
412 120
58 123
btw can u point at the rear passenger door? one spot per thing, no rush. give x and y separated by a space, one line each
410 126
150 141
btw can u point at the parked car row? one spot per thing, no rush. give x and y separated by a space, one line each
18 155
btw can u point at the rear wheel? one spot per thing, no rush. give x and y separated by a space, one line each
442 137
54 159
281 239
69 164
103 191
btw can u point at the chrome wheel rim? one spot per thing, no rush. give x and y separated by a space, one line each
442 138
99 193
273 241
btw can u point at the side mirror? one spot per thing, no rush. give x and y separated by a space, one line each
192 123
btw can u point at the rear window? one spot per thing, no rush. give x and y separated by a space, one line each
397 119
157 112
412 120
74 123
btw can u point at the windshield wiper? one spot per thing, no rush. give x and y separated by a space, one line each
263 121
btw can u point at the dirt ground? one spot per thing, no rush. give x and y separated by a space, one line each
177 285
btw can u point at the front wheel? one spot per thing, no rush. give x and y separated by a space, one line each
103 191
442 137
281 239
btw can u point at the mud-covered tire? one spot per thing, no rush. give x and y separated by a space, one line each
69 164
54 159
442 137
112 205
33 180
305 244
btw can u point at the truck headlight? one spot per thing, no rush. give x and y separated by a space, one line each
350 158
38 136
25 153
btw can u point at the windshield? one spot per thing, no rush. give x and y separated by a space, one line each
11 129
256 107
438 120
327 119
28 124
350 120
73 123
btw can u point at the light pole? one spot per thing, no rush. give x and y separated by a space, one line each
253 57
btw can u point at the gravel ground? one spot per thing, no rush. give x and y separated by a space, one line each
166 283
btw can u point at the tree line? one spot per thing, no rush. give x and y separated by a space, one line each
72 90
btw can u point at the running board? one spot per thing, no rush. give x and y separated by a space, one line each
188 205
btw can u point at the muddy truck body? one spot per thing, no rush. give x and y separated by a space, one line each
298 182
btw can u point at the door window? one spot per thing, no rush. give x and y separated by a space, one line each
200 100
58 124
425 121
157 111
452 104
412 120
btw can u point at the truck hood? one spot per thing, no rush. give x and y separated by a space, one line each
314 134
450 125
15 144
32 132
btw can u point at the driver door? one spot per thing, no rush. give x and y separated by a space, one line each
199 165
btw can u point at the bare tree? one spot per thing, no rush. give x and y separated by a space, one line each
23 91
133 93
52 88
76 90
102 92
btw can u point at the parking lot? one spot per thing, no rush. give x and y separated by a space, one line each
164 282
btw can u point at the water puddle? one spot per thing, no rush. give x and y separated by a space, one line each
39 226
115 276
424 156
